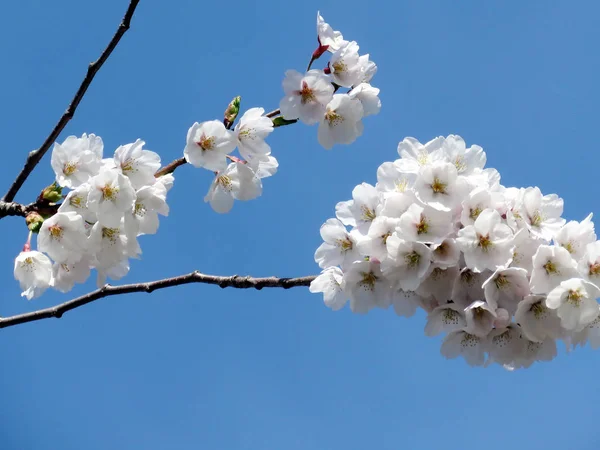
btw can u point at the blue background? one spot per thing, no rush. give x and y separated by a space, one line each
200 367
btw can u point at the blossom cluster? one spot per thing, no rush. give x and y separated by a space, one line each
111 202
311 97
495 268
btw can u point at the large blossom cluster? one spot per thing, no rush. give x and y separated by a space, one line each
497 269
112 201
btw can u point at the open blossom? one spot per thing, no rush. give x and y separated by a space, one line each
445 319
33 271
461 343
488 243
466 160
589 265
138 164
367 287
150 201
306 96
327 36
551 266
368 97
63 237
208 144
438 284
331 283
540 214
480 318
407 262
111 196
373 244
506 288
438 186
575 236
424 224
391 180
537 321
251 131
415 155
340 246
238 181
575 303
341 121
76 160
361 210
468 286
77 201
66 275
506 345
345 66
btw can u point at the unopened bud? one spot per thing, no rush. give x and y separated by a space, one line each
232 111
52 193
34 222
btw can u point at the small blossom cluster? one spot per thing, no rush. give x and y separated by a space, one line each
209 144
111 202
497 269
312 97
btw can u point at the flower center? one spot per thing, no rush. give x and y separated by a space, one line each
450 317
225 182
345 244
459 163
109 192
438 187
469 340
485 242
569 247
574 297
423 225
56 232
306 94
76 201
539 310
339 67
110 233
384 237
140 210
401 185
501 282
333 118
474 213
368 280
536 219
594 269
367 213
206 142
412 259
550 267
69 168
127 166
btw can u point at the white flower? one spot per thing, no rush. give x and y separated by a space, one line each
111 196
466 160
575 303
369 68
506 288
488 243
480 318
405 303
166 180
346 69
340 246
76 201
396 203
445 319
108 245
327 36
76 160
470 347
391 180
237 181
374 243
66 275
540 214
150 201
445 254
438 186
367 287
526 246
575 236
137 164
439 284
589 266
505 345
251 131
341 121
263 166
590 333
331 283
63 237
306 96
115 272
368 97
33 271
537 321
551 266
534 351
468 287
479 199
208 144
361 210
407 262
424 224
415 155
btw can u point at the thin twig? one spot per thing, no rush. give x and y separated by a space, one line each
233 281
273 113
36 156
170 168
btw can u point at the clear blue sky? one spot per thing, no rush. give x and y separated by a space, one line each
199 367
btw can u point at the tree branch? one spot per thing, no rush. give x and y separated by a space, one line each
36 156
170 168
233 281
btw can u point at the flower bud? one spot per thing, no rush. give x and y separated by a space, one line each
34 221
232 111
52 193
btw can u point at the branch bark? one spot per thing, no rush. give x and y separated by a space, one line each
36 156
234 281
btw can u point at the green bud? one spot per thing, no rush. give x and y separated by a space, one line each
281 122
232 111
52 193
34 222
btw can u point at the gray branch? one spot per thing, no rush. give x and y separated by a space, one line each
233 281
